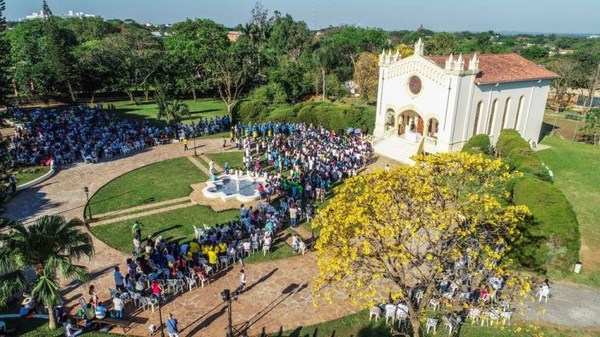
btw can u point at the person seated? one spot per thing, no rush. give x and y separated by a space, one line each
101 311
28 308
72 330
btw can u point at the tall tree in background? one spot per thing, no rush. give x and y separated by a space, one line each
566 68
441 44
4 59
366 74
324 58
50 246
191 45
232 68
58 51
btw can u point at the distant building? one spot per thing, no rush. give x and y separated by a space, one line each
431 104
233 35
70 14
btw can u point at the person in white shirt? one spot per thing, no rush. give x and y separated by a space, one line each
118 306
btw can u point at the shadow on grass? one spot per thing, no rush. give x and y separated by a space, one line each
155 234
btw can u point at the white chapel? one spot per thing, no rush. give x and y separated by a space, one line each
431 104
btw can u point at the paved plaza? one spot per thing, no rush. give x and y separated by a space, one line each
278 295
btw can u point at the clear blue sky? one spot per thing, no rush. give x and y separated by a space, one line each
577 16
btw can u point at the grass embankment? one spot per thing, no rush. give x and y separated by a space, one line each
575 167
27 174
161 181
201 108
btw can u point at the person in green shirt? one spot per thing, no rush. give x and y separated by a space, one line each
136 230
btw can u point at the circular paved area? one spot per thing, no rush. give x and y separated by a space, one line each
279 292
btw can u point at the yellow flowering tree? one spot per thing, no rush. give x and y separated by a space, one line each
421 234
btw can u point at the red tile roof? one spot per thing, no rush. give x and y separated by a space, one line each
496 68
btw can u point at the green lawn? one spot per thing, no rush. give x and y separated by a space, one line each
172 225
234 158
202 108
575 167
358 325
27 174
161 181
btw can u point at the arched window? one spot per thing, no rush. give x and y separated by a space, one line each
477 113
491 119
519 108
506 105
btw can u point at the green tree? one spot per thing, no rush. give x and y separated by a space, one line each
59 44
324 58
566 68
4 59
403 231
441 44
138 54
289 37
50 246
350 41
191 45
96 68
231 69
535 53
366 74
591 130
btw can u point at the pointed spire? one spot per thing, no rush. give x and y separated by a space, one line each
460 63
474 63
449 62
397 56
382 56
419 47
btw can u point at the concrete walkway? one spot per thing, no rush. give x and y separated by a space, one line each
279 292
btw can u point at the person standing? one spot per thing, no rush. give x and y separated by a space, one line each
243 279
118 306
119 281
12 181
185 142
172 328
136 230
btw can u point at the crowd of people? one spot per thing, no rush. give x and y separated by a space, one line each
90 133
307 159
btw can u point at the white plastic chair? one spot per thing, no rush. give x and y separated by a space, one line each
544 292
191 282
431 324
374 313
148 302
401 317
390 313
506 316
198 232
474 315
224 262
203 280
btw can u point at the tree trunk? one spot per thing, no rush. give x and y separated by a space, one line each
73 98
416 326
51 318
130 95
93 97
194 93
146 94
324 78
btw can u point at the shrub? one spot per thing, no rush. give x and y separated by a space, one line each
248 111
552 238
478 144
508 140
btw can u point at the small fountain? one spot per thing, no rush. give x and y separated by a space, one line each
233 186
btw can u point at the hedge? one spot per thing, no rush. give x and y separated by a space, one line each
326 114
478 144
517 153
552 238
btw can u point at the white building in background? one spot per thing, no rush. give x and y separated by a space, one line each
431 104
70 14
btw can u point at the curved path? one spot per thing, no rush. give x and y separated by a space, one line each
279 292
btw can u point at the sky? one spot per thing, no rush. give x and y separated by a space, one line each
548 16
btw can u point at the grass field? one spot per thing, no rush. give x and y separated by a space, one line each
174 225
358 325
153 183
233 158
202 108
27 174
575 167
36 327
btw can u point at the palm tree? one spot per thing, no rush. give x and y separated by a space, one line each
49 246
324 57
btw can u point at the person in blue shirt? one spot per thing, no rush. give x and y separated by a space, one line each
172 328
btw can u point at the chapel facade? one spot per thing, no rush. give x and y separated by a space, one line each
431 104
